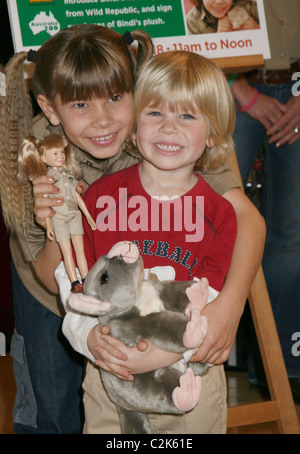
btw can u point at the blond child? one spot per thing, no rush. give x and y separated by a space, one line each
184 117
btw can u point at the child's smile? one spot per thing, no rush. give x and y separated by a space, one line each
217 8
171 140
168 149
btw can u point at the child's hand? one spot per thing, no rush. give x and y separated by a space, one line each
222 328
138 360
224 25
108 354
43 205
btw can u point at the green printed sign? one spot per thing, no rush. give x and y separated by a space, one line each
38 20
166 21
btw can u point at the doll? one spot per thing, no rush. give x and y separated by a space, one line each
53 156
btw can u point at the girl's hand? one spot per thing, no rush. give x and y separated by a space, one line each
108 354
43 205
139 360
222 328
224 25
117 358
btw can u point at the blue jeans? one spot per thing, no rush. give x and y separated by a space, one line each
47 371
281 210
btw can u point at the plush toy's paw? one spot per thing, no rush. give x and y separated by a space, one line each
126 249
197 295
187 395
196 330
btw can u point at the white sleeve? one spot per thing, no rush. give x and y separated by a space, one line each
76 326
212 294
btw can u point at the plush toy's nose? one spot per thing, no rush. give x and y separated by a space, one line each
127 250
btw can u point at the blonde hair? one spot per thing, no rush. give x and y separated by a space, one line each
196 84
79 62
31 164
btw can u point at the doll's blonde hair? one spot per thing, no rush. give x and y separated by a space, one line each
32 150
195 84
79 62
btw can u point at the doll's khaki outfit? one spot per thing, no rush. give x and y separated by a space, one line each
67 220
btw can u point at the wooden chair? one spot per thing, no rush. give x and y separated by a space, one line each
281 407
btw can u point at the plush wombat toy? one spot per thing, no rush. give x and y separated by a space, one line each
115 290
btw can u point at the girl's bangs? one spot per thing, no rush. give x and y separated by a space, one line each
177 95
90 77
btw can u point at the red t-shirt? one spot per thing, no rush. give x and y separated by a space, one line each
192 235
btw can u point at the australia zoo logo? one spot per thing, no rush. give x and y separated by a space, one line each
43 22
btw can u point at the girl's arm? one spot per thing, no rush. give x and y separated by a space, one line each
47 263
225 311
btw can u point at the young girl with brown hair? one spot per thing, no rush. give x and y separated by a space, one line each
85 62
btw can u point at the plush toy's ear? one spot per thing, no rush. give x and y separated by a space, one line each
88 304
127 250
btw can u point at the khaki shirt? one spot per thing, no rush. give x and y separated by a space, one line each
27 249
67 186
283 18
